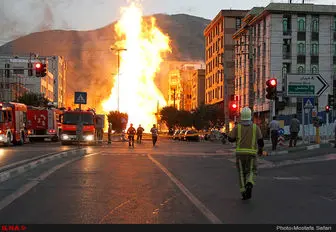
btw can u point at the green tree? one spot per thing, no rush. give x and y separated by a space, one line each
116 118
33 99
169 115
200 119
184 118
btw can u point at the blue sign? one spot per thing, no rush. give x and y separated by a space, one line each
281 131
80 97
308 102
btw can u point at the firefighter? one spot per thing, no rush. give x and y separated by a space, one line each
249 143
154 132
131 131
109 133
140 131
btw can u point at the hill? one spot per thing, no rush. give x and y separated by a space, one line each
89 59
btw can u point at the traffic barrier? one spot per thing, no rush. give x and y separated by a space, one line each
281 141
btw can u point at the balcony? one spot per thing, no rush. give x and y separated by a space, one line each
287 32
286 55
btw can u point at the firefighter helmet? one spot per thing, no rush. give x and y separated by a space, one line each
245 114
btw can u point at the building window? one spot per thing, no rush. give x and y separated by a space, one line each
285 25
314 69
334 49
301 49
335 23
315 24
334 69
238 23
301 24
301 69
284 70
314 49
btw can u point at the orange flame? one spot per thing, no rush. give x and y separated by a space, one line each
141 49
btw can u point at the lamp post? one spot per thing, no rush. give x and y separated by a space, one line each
118 51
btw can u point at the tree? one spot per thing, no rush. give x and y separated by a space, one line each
33 99
184 118
169 115
116 118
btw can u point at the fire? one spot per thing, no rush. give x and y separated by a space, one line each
141 48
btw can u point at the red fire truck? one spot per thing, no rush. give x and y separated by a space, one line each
74 121
43 122
13 118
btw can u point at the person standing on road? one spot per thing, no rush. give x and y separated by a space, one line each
154 132
274 128
109 133
140 130
131 133
249 143
294 129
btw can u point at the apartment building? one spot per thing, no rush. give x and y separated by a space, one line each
16 79
219 56
180 84
282 39
198 88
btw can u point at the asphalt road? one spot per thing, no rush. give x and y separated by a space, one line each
173 183
12 154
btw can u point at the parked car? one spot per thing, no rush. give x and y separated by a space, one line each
191 135
181 134
176 135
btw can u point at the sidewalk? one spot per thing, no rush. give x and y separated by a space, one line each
300 146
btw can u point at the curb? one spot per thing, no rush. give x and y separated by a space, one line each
296 149
12 172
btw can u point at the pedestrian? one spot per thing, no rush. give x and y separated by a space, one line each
109 133
294 129
249 143
154 132
140 131
131 133
274 131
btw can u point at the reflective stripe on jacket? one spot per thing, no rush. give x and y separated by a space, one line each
249 151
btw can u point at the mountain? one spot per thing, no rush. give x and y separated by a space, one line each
88 55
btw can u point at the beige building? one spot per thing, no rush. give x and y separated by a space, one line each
219 57
198 88
180 84
282 39
16 79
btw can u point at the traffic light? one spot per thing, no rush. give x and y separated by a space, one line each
38 69
44 70
327 108
233 107
271 88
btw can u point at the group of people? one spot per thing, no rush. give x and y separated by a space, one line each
131 132
294 129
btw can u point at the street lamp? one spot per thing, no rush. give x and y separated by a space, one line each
118 51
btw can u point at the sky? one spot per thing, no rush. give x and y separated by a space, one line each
21 17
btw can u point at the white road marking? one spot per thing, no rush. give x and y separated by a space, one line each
25 188
204 210
286 178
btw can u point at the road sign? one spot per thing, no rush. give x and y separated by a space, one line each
302 85
308 102
80 97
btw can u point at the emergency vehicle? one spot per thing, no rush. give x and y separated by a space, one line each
77 124
43 122
13 118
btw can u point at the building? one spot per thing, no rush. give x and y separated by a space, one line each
219 57
58 67
198 88
16 79
180 85
282 39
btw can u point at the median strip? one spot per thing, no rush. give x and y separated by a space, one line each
9 171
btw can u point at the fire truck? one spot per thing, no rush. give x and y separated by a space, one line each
13 118
43 123
78 126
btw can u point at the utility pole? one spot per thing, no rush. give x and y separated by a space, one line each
118 79
251 71
226 97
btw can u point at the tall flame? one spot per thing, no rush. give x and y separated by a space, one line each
140 47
